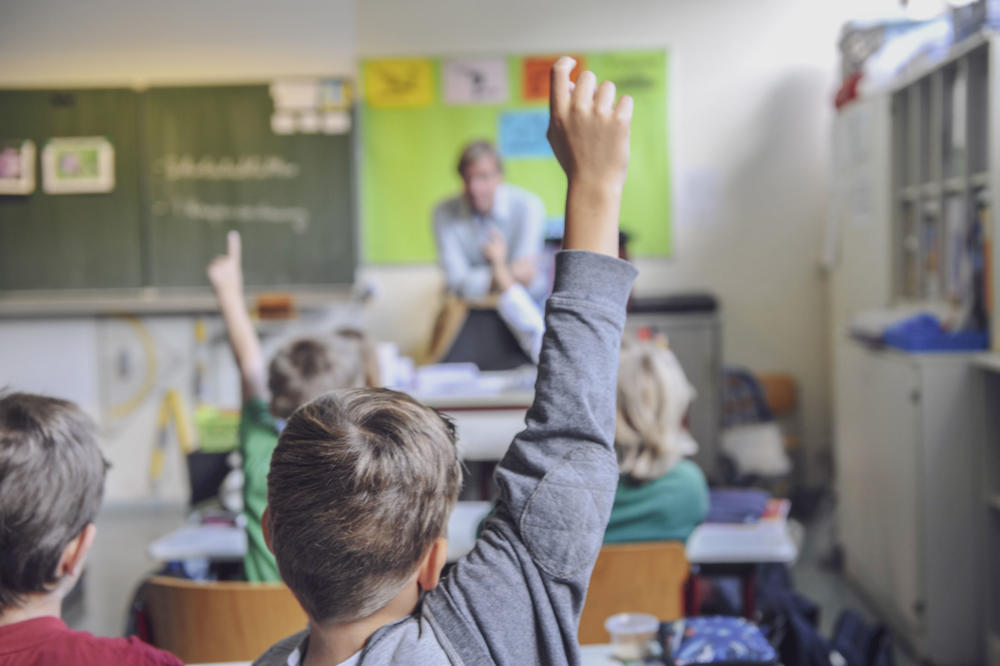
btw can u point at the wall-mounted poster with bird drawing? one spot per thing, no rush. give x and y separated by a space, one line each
403 83
476 81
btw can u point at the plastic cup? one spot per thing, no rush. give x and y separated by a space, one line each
632 635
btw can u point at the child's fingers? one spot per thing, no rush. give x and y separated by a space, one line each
623 111
604 101
560 86
583 94
234 244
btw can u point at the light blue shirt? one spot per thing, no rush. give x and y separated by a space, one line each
461 233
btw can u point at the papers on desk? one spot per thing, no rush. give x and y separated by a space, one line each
192 542
749 527
730 543
464 380
446 378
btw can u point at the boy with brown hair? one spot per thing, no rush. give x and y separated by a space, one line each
51 484
363 481
300 370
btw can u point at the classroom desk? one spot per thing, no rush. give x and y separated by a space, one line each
221 543
487 414
229 542
722 549
601 655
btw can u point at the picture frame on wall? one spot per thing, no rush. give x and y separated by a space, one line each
17 166
78 165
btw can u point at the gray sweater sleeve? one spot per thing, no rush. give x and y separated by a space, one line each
517 597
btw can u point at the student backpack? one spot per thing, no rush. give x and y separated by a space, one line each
861 643
715 641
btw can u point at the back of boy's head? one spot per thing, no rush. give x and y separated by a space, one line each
51 484
361 484
309 367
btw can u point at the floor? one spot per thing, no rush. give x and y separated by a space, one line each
816 580
119 561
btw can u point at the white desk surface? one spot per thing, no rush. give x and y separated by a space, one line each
460 386
194 542
488 408
227 542
513 400
761 542
599 655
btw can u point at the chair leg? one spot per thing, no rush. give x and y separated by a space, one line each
750 595
690 601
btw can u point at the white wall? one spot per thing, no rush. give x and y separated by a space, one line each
751 85
54 42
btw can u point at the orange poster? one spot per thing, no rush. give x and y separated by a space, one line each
535 76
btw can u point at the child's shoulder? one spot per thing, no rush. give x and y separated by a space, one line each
279 653
86 649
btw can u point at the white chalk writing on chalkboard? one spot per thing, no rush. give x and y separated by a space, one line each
194 209
245 167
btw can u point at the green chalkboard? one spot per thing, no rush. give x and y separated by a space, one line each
213 163
67 241
190 164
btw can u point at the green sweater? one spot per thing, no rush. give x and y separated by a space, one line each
664 509
258 439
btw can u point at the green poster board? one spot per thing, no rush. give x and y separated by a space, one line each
413 130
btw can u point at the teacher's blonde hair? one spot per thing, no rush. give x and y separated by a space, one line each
653 397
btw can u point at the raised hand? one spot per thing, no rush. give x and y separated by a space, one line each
226 275
589 134
226 271
588 131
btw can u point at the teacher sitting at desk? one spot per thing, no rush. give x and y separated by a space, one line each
488 213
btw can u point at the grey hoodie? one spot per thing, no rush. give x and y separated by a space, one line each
517 597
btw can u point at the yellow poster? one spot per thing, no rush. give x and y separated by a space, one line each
399 83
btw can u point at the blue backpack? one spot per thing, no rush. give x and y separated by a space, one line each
860 643
718 640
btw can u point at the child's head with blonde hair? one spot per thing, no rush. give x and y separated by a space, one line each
653 397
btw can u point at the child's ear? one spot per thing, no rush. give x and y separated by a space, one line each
430 570
265 527
75 553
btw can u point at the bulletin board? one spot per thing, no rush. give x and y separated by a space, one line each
417 113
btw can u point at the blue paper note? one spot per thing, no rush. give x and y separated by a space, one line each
522 134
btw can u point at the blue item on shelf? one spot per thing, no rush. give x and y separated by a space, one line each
923 333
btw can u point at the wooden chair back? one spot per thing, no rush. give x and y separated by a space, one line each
634 578
781 392
220 621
